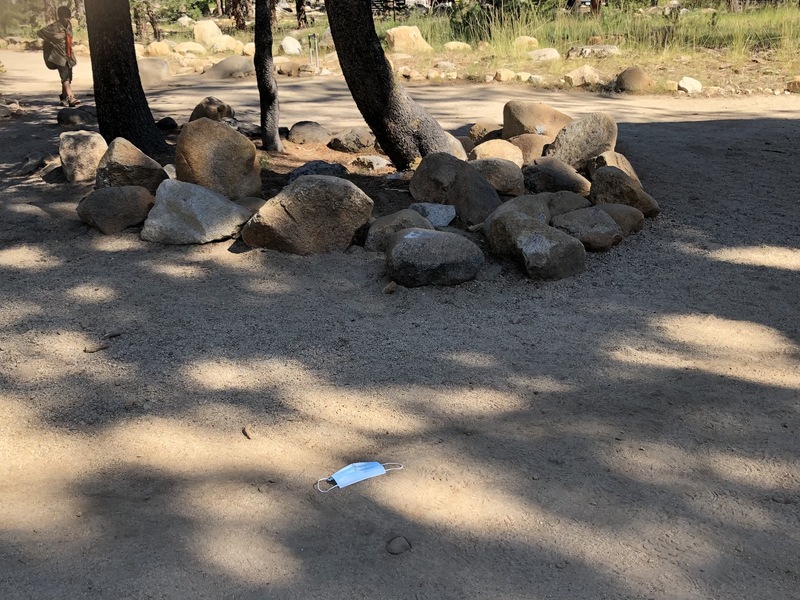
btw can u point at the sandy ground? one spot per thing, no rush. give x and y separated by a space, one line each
628 433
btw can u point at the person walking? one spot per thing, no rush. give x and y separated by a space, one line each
58 54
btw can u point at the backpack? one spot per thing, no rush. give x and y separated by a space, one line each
47 48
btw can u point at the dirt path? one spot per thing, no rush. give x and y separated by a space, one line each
628 433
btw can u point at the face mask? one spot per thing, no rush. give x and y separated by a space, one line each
354 473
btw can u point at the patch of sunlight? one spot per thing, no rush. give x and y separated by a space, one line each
541 383
24 209
746 471
268 286
472 359
29 258
775 257
92 293
178 271
117 243
13 312
737 349
220 375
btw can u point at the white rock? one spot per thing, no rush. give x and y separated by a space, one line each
690 85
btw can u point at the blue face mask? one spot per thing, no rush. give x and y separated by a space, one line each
354 473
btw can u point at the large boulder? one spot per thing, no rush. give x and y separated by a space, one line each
611 159
497 149
111 210
124 164
383 227
227 43
535 206
543 251
483 131
80 153
634 79
596 230
690 85
406 39
233 67
313 214
520 117
191 48
583 139
75 116
611 185
353 140
291 47
548 174
158 49
185 213
445 179
583 75
215 156
212 108
628 218
531 144
153 71
319 167
309 133
206 33
505 176
416 257
564 202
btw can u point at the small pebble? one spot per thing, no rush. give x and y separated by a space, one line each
249 431
112 333
390 288
96 347
398 545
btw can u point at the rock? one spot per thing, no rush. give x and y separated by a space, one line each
628 218
253 205
504 175
793 85
525 42
611 185
185 21
310 133
416 257
352 140
548 174
249 49
534 206
531 145
291 47
371 163
5 112
190 48
406 39
595 229
497 149
445 179
124 164
225 44
532 117
438 215
233 67
212 108
167 124
483 131
543 54
319 167
583 139
504 75
114 209
153 71
80 153
466 143
313 214
433 74
599 51
206 32
171 171
399 544
326 40
211 154
611 159
383 227
690 85
559 203
634 79
456 147
185 213
158 49
583 75
524 76
32 162
75 116
457 47
544 252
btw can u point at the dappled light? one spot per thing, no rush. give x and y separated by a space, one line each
774 257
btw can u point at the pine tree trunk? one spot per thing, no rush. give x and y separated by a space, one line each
300 9
237 12
404 129
267 87
122 109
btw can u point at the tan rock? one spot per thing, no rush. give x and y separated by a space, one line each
158 49
406 39
457 47
497 149
525 43
505 75
531 144
532 117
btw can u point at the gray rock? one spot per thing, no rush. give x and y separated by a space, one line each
505 176
211 154
439 215
124 164
612 159
319 167
371 163
313 214
75 116
628 218
535 206
456 147
185 213
583 139
634 79
80 153
398 545
212 108
352 140
5 112
170 171
310 133
595 51
383 227
548 174
532 117
543 54
564 202
250 130
445 179
611 185
596 230
544 252
416 257
111 210
153 72
233 67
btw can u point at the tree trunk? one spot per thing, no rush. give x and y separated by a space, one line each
300 9
79 12
140 22
267 87
50 10
122 109
151 18
404 129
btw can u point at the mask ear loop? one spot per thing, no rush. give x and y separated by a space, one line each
326 480
394 467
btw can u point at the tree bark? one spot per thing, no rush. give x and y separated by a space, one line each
267 87
238 14
79 12
122 109
300 9
404 129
